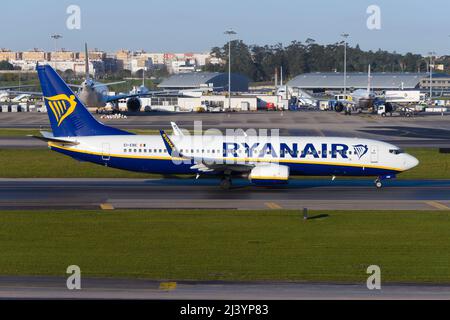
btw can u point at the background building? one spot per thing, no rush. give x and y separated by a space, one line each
8 55
440 82
335 81
216 80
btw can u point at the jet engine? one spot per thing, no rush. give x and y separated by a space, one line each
269 174
134 104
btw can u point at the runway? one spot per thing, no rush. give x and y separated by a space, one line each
55 288
189 193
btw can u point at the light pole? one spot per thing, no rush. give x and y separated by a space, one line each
431 74
56 37
345 36
230 33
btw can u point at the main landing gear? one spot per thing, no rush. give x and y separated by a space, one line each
225 183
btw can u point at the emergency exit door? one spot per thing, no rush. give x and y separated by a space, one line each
105 152
374 154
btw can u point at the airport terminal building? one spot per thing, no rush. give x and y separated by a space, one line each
320 81
216 80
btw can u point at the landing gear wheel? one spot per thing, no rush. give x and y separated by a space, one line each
225 184
378 183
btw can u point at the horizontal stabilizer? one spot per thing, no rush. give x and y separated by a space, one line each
48 137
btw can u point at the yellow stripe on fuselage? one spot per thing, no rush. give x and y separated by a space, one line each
231 160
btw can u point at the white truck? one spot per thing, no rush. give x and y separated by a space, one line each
404 111
404 96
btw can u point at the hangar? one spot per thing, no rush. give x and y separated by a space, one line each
217 80
335 81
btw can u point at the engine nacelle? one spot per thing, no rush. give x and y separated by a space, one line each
134 105
269 174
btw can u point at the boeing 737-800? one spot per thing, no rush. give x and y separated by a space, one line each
262 159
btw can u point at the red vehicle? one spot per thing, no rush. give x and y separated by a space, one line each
271 106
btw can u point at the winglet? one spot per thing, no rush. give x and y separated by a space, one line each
170 146
176 130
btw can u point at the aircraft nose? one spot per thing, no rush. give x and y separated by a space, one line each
410 162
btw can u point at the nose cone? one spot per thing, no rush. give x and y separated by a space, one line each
410 162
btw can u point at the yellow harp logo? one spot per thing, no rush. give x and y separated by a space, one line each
62 106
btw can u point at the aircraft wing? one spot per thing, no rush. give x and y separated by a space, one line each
204 164
138 95
78 86
184 92
16 87
109 84
36 94
123 96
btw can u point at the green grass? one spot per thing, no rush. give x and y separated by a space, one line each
43 163
10 132
433 165
231 245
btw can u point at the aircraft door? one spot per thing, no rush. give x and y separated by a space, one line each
105 152
374 154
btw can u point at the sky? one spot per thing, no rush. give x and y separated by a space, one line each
198 25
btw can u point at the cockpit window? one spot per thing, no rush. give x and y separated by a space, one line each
396 151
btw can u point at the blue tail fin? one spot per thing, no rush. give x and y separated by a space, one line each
68 116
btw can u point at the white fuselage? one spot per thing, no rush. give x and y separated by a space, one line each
303 155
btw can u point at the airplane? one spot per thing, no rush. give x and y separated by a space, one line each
360 99
92 93
263 160
7 92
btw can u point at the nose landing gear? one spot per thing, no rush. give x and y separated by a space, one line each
378 183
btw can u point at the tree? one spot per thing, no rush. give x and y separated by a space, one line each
5 65
259 62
